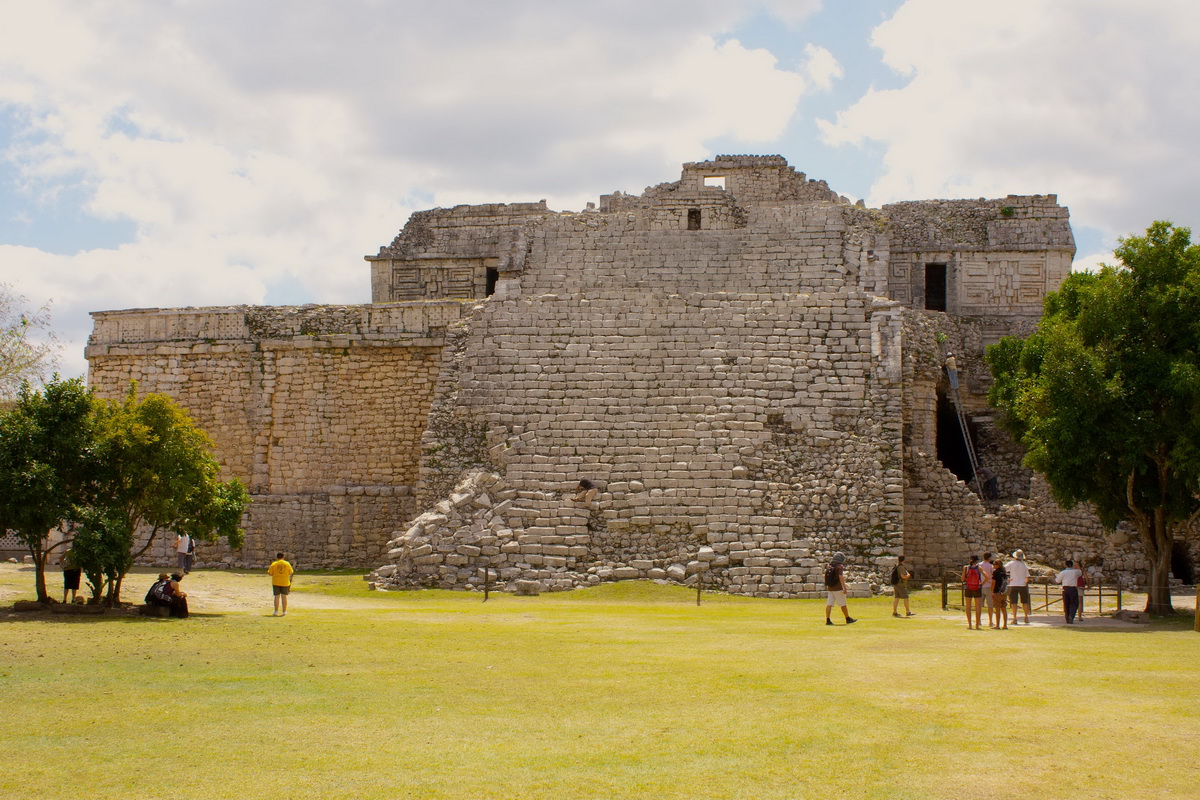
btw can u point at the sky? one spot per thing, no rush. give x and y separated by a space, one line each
160 153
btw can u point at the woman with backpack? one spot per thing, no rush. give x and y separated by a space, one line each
972 581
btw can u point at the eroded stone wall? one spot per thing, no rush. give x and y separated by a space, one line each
319 410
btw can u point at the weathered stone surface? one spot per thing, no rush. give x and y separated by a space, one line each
750 376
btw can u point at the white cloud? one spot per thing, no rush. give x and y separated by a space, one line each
1093 261
1097 100
821 66
260 147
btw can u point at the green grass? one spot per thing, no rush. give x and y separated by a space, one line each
627 690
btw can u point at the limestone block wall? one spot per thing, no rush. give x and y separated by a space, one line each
319 410
782 250
766 428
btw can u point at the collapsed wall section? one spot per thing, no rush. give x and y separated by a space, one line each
752 433
318 409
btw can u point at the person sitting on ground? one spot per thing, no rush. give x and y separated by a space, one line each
178 597
999 594
585 492
160 592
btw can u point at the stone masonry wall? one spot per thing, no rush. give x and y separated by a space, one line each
677 407
319 410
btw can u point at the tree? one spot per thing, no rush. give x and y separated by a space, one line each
28 348
155 468
47 463
1105 395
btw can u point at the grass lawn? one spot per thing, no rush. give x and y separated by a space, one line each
624 691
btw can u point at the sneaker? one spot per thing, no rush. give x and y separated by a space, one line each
850 620
828 622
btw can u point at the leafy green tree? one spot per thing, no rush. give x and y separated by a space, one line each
155 469
28 348
47 463
1105 395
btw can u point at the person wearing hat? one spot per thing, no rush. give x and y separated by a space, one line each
177 597
1018 583
835 588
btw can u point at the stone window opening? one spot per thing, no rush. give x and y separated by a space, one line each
951 447
493 275
693 219
717 181
935 287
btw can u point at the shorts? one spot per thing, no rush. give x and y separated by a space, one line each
973 592
280 589
71 579
988 594
835 598
998 601
1016 593
901 591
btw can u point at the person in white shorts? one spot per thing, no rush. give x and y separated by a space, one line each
985 569
835 589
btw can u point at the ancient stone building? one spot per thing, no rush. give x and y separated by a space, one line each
748 367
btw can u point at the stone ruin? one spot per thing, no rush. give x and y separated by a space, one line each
749 367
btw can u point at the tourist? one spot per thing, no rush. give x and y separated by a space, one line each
1070 578
1018 583
999 590
71 573
835 588
184 549
972 581
585 492
901 588
177 597
985 567
281 583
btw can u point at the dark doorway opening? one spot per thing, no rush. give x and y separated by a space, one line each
1182 566
693 219
951 447
935 287
493 275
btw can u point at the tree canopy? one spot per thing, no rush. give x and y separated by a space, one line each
105 470
28 347
1105 395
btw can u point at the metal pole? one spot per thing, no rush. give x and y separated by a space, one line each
1118 597
945 593
1197 627
699 580
487 582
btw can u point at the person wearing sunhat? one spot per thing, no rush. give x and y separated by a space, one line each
1018 584
835 588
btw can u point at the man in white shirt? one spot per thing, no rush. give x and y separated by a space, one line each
985 569
1069 578
183 552
1018 583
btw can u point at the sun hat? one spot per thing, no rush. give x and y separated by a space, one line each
839 557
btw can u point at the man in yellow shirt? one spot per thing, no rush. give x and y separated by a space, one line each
281 582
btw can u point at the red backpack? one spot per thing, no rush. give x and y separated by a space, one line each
974 578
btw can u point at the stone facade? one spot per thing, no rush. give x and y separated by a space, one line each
748 367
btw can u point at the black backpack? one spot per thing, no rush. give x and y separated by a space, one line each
833 578
895 578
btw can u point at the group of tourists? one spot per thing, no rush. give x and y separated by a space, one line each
166 593
994 584
989 582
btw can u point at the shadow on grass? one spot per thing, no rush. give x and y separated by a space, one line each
115 615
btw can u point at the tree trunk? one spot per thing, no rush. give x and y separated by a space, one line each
1158 541
39 574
